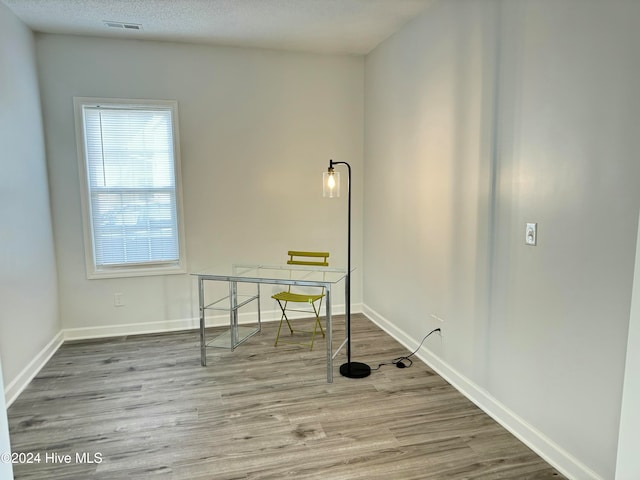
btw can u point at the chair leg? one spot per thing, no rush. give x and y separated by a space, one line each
318 322
313 333
282 317
278 334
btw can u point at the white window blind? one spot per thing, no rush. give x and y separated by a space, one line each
131 184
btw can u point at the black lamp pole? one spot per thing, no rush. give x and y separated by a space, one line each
349 369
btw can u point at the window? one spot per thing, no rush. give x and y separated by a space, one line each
129 163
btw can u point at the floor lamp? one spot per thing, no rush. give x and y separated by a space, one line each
331 189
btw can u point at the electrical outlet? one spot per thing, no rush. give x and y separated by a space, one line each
118 300
531 234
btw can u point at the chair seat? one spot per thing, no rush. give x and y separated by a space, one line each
285 299
296 297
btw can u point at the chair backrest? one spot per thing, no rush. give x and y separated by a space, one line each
315 259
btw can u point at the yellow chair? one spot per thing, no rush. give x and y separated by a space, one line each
284 299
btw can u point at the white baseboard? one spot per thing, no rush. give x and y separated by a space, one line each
18 384
162 326
219 320
546 448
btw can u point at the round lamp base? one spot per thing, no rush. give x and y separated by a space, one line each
355 370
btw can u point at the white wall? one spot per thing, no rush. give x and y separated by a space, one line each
561 309
628 463
28 284
427 95
483 116
257 129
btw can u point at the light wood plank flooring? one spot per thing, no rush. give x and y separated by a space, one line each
145 407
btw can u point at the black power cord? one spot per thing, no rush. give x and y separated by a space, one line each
400 362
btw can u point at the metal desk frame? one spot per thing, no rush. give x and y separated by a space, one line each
259 274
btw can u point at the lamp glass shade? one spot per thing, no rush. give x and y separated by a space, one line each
331 184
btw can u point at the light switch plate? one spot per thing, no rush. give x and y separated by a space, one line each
531 234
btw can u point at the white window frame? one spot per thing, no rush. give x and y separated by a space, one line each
123 270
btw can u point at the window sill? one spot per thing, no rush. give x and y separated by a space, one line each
123 272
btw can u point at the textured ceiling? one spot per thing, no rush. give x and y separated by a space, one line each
324 26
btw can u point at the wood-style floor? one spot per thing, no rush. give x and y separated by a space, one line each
143 407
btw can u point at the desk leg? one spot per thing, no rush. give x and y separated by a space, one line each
329 335
203 344
259 319
233 312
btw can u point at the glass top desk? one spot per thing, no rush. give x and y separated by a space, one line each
264 274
